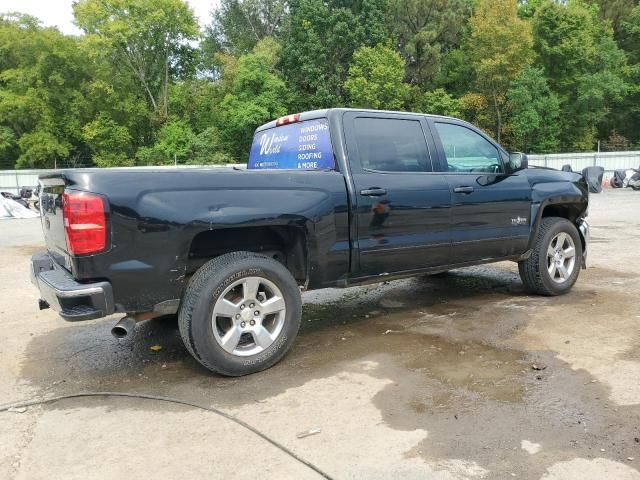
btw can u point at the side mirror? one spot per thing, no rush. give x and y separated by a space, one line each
518 161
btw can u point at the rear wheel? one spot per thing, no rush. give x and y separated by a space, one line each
240 314
554 264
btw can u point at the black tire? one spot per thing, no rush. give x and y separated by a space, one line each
204 289
534 272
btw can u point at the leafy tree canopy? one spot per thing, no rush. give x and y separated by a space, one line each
149 37
583 64
318 46
535 112
426 31
500 43
256 95
375 79
145 84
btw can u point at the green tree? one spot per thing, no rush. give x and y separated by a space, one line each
535 112
196 101
615 143
439 102
8 147
41 75
426 31
631 35
149 37
238 25
256 95
318 45
475 109
583 65
375 79
109 142
115 102
616 12
500 43
41 149
527 8
175 144
626 117
457 75
207 148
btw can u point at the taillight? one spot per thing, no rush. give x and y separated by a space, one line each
85 222
293 118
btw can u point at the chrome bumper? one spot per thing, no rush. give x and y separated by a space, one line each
585 233
72 300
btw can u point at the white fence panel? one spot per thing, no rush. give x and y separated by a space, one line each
12 180
610 161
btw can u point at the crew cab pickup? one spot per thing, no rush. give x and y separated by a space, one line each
329 198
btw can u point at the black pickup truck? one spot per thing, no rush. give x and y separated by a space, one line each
330 198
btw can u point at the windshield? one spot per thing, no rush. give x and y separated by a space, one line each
303 145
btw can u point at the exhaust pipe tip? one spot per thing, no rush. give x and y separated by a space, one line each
124 327
119 332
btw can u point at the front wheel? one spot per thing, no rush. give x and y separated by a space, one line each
240 314
554 264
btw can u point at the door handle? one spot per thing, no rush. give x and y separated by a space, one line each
463 189
373 192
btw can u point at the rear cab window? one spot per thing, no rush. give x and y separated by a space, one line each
303 145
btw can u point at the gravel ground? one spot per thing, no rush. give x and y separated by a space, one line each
460 377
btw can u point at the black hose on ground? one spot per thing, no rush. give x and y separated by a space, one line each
30 403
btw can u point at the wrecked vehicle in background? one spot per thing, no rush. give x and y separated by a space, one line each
16 206
626 178
592 175
330 198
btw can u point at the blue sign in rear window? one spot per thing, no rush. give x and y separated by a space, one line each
304 145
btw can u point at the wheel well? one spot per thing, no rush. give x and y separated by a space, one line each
568 211
571 212
285 244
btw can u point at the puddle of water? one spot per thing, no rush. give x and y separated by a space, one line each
429 329
434 339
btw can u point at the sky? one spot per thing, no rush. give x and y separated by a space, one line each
58 12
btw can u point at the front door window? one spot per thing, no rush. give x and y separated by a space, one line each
466 151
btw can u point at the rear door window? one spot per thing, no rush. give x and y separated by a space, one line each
392 145
296 146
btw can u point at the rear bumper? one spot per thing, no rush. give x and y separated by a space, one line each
585 233
72 300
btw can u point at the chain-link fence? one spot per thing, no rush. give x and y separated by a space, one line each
77 162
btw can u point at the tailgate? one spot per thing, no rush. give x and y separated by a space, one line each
52 219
